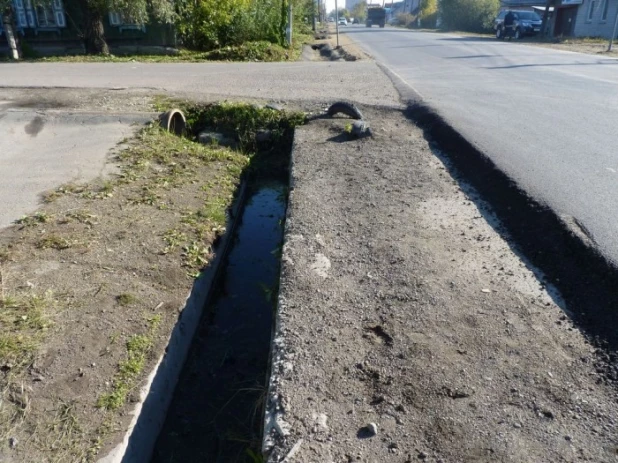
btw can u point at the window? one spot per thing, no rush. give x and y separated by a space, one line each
591 10
124 22
45 16
51 15
605 8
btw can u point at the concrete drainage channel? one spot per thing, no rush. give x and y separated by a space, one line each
205 400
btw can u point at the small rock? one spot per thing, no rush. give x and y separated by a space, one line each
422 456
567 437
360 128
517 425
13 442
93 364
274 107
372 428
485 290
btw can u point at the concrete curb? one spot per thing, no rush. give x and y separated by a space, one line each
150 412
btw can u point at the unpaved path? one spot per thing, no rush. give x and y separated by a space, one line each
402 305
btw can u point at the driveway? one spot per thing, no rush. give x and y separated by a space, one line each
41 149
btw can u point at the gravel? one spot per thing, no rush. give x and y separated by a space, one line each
396 330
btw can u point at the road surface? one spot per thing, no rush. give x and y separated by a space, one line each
43 148
548 118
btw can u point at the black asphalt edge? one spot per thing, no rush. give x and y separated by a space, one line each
149 414
560 250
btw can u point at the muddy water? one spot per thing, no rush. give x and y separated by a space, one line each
216 412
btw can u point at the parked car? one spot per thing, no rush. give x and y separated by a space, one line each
331 20
343 22
356 21
526 23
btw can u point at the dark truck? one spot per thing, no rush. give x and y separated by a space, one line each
375 15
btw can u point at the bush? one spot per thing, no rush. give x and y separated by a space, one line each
429 13
406 19
212 24
250 51
469 15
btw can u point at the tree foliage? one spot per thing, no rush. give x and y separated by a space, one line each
469 15
211 24
429 13
359 11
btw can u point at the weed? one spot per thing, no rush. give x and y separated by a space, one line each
196 256
138 348
34 219
173 239
5 256
65 422
54 242
255 457
126 299
82 216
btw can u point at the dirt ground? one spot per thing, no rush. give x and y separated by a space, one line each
404 306
588 46
92 284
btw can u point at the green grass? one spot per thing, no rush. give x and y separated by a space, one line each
54 242
249 51
139 347
34 219
23 323
126 299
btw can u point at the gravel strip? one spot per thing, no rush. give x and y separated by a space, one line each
409 329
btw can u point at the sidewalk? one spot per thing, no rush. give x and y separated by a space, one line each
307 81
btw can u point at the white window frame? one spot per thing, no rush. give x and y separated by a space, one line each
116 19
54 16
46 20
590 11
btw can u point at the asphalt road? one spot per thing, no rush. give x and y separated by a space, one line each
313 81
547 118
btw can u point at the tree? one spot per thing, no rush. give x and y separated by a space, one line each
137 11
429 13
359 11
7 20
469 15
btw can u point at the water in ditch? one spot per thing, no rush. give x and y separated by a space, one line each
217 408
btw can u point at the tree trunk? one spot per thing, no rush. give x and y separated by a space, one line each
9 31
94 34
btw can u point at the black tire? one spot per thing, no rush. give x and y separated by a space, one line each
345 108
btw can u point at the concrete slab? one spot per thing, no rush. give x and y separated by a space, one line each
42 149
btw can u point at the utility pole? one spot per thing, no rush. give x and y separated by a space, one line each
289 28
337 22
611 39
546 17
